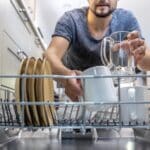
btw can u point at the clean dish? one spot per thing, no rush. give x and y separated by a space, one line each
39 94
48 92
17 85
19 90
30 90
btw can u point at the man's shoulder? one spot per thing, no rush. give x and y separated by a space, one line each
77 12
122 12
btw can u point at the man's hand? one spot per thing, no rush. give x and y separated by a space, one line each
137 46
134 45
73 87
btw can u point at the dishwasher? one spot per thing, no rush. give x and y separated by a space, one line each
74 126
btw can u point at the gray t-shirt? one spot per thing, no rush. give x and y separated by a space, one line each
84 50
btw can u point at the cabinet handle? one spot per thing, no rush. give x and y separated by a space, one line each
20 13
19 55
12 52
22 54
40 32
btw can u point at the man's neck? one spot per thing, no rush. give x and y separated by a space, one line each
98 23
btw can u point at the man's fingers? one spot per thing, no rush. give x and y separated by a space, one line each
139 53
140 50
123 45
134 44
78 72
133 35
72 95
73 89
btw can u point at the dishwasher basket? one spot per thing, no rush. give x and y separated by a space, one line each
69 114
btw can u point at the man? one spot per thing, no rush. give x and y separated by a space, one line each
75 44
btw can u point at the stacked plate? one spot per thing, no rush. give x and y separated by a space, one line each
35 90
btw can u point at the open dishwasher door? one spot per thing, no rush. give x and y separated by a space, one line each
42 140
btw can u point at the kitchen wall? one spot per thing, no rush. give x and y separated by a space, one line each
15 35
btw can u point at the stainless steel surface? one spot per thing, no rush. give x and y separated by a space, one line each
44 139
46 144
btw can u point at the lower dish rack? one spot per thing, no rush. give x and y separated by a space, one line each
73 115
82 114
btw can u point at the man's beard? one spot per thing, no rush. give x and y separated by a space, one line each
103 15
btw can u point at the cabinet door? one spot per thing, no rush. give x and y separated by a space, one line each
9 60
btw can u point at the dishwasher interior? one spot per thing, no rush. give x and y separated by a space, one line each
74 125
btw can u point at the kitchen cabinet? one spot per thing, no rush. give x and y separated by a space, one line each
10 60
16 35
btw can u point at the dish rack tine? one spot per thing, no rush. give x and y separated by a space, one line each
7 112
1 116
111 113
64 114
16 113
77 112
90 117
71 112
3 112
10 113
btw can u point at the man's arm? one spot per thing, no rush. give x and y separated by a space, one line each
54 54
